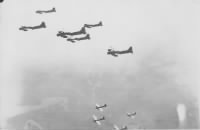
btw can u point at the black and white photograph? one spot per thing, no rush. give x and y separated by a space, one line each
99 64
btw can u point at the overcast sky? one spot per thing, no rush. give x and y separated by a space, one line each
167 29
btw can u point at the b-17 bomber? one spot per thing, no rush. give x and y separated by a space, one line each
46 11
93 25
98 120
116 53
26 28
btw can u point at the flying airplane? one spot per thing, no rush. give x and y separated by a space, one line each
25 28
123 128
100 108
46 11
116 53
86 37
93 25
73 40
61 33
97 120
131 115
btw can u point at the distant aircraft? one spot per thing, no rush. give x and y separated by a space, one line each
100 108
25 28
73 40
116 53
93 25
123 128
46 11
131 115
61 33
97 120
86 37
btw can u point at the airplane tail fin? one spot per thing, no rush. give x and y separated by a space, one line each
88 36
130 49
54 9
100 23
83 31
43 25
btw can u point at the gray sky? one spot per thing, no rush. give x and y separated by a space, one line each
161 32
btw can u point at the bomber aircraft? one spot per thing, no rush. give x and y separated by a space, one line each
116 53
25 28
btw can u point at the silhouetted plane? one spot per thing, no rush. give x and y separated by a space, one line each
46 11
86 37
25 28
61 33
123 128
73 40
93 25
131 115
100 108
97 120
116 53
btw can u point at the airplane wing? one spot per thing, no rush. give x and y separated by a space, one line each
116 127
131 115
97 105
114 55
100 109
98 122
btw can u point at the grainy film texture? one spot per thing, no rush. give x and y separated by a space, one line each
99 64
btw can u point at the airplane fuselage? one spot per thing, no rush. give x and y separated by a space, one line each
37 27
87 37
121 52
100 107
131 114
46 11
42 25
82 31
99 119
93 25
115 53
